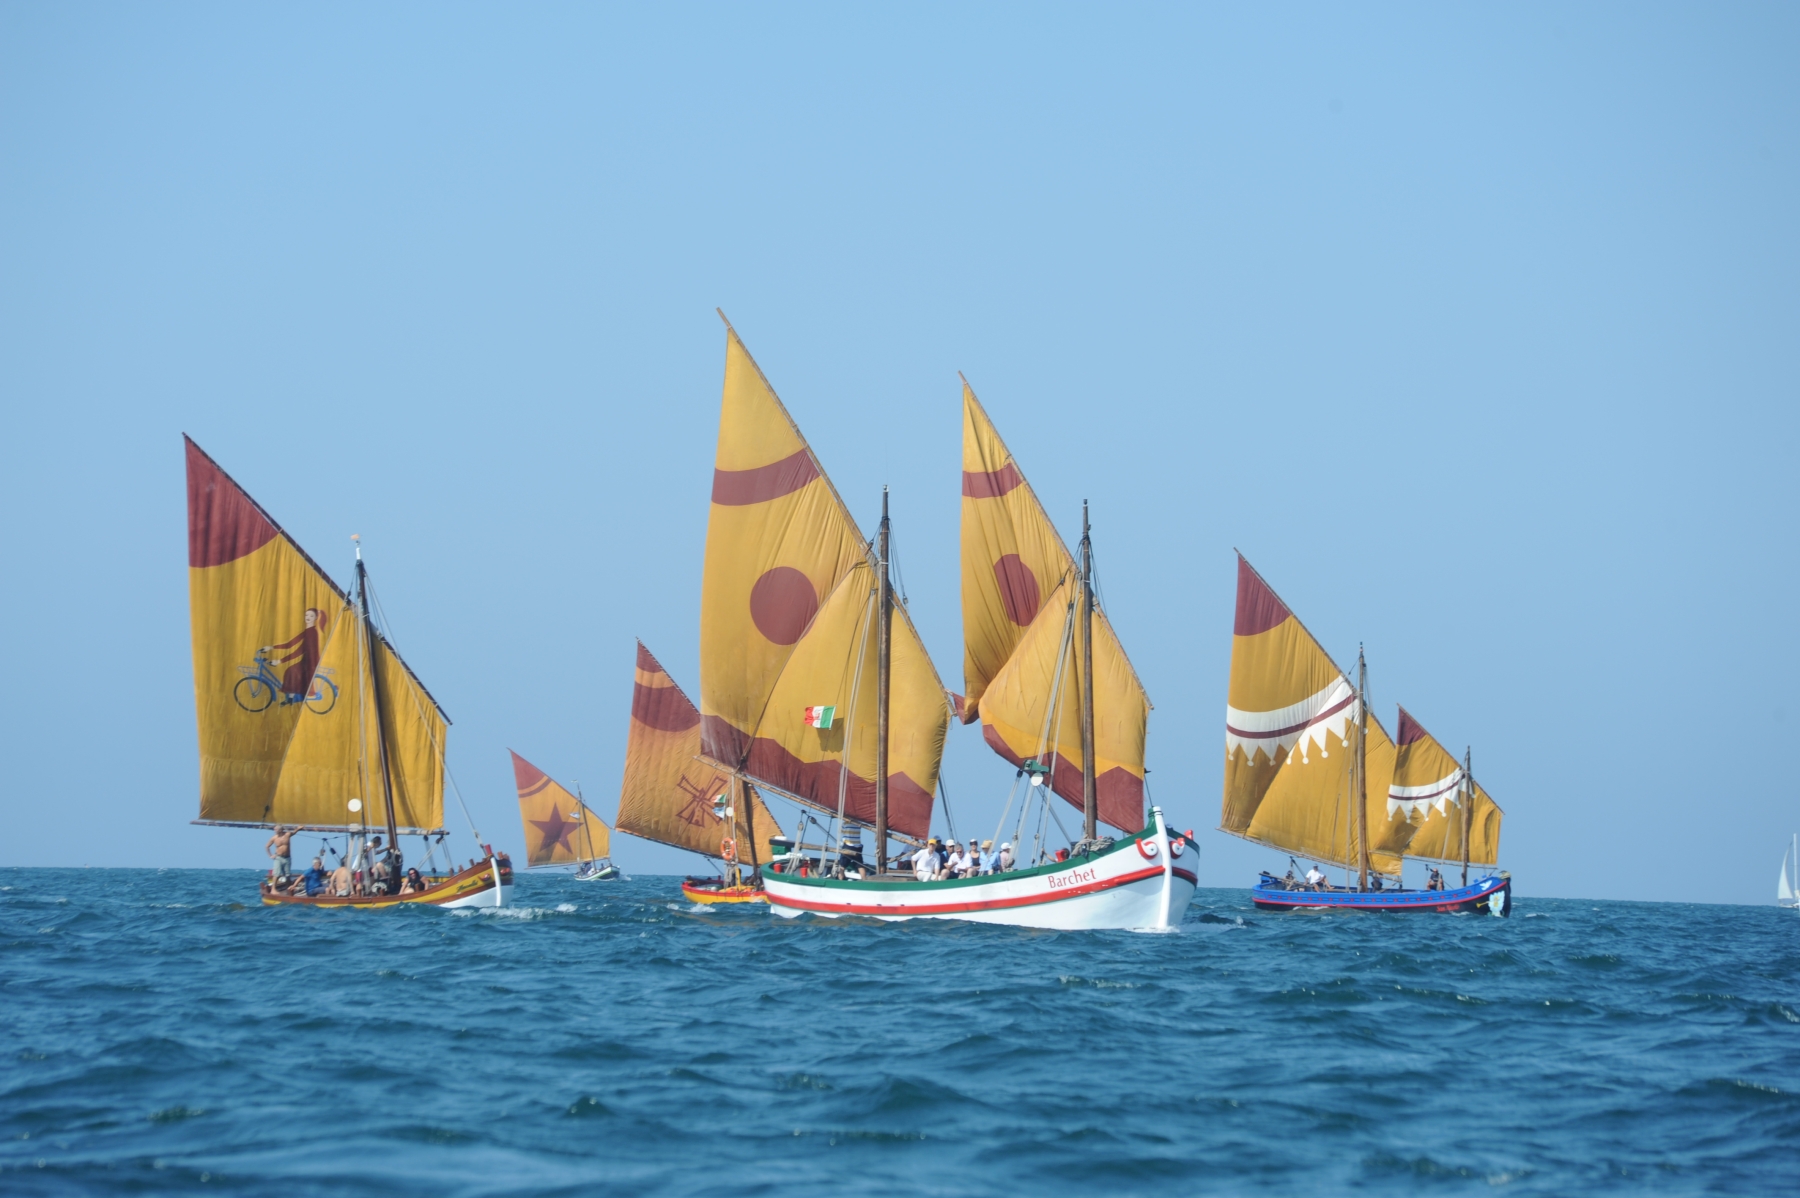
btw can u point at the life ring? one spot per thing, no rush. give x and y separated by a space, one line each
728 849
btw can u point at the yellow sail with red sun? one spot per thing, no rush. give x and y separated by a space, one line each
670 790
1430 789
1021 650
1289 743
788 624
559 829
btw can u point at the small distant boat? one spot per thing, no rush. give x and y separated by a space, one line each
326 726
1310 770
1787 890
559 827
674 795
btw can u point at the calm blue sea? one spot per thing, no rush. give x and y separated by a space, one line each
161 1033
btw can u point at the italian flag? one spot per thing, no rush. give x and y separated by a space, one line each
820 717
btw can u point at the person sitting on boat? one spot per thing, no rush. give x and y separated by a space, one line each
971 861
343 881
1376 880
1006 856
1315 877
990 860
1436 881
1290 882
925 861
315 879
1062 854
414 882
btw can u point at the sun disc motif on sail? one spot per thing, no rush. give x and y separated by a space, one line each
782 604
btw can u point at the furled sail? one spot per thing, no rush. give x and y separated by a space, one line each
1021 652
1428 789
280 673
787 623
1289 748
559 829
669 788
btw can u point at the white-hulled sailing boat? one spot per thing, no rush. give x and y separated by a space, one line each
674 796
1057 698
559 828
1787 890
307 716
1311 771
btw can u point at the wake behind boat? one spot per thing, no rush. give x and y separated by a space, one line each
324 728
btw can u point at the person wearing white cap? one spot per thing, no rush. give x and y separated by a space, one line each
1006 856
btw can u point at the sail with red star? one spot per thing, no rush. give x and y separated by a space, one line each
559 829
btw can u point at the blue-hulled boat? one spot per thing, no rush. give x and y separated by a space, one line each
1491 895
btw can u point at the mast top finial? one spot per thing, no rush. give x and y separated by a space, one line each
356 539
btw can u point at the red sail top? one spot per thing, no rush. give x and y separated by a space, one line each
1258 610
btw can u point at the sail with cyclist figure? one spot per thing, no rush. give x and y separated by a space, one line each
326 729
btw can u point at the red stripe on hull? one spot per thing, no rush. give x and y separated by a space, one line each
1028 900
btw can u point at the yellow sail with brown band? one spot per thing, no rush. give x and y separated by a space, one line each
1021 648
788 627
1289 743
559 829
1430 789
669 789
282 684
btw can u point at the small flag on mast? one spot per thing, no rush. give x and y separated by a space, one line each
820 717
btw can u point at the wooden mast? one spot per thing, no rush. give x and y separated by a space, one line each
387 779
884 644
1468 805
1359 794
1090 800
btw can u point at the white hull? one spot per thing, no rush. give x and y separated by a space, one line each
1145 881
491 897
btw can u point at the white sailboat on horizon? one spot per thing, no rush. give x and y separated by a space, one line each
1787 889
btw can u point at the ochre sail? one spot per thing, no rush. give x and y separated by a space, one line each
334 756
1428 790
559 829
252 594
1018 584
669 789
1289 747
291 739
780 611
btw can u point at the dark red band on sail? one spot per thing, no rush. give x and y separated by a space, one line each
530 778
991 484
737 488
1410 729
647 662
909 804
224 523
663 708
1119 793
1258 610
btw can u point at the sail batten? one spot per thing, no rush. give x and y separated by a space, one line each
1290 723
1021 668
787 612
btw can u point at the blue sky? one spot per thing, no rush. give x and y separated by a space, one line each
1473 327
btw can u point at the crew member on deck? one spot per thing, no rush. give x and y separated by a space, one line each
1315 877
280 848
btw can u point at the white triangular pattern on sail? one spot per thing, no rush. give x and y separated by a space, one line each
1304 723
